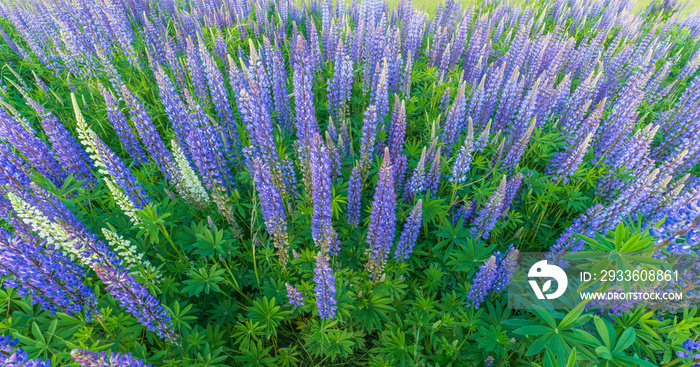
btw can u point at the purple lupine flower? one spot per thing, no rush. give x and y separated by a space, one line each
489 361
14 170
194 65
93 359
272 208
397 136
336 164
517 148
409 235
109 163
406 76
280 95
68 152
136 299
154 145
38 154
680 230
123 128
512 188
463 160
306 124
435 172
50 279
445 101
454 120
322 230
340 85
219 97
483 140
10 357
484 282
488 216
369 136
325 288
417 183
295 297
354 196
382 225
174 107
380 94
507 265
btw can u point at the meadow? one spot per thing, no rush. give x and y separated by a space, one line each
281 183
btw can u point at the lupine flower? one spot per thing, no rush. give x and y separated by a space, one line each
489 361
512 188
461 164
190 184
124 187
38 154
48 277
132 259
280 95
149 136
409 235
354 196
369 135
94 359
454 120
680 230
340 85
488 216
194 65
53 222
306 124
295 297
483 283
272 208
322 230
417 183
325 288
382 225
123 128
507 265
380 94
435 172
68 152
517 149
10 357
397 136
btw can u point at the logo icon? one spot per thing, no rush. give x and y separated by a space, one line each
543 270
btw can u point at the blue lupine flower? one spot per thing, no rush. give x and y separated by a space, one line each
382 225
93 359
272 208
409 235
354 196
483 283
160 155
10 357
325 288
488 216
48 277
73 159
123 128
295 297
322 230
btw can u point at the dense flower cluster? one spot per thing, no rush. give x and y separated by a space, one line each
220 152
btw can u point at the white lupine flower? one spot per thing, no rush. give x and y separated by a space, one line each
123 201
191 184
128 253
50 231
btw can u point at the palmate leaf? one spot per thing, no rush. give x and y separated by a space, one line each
267 314
469 254
373 310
